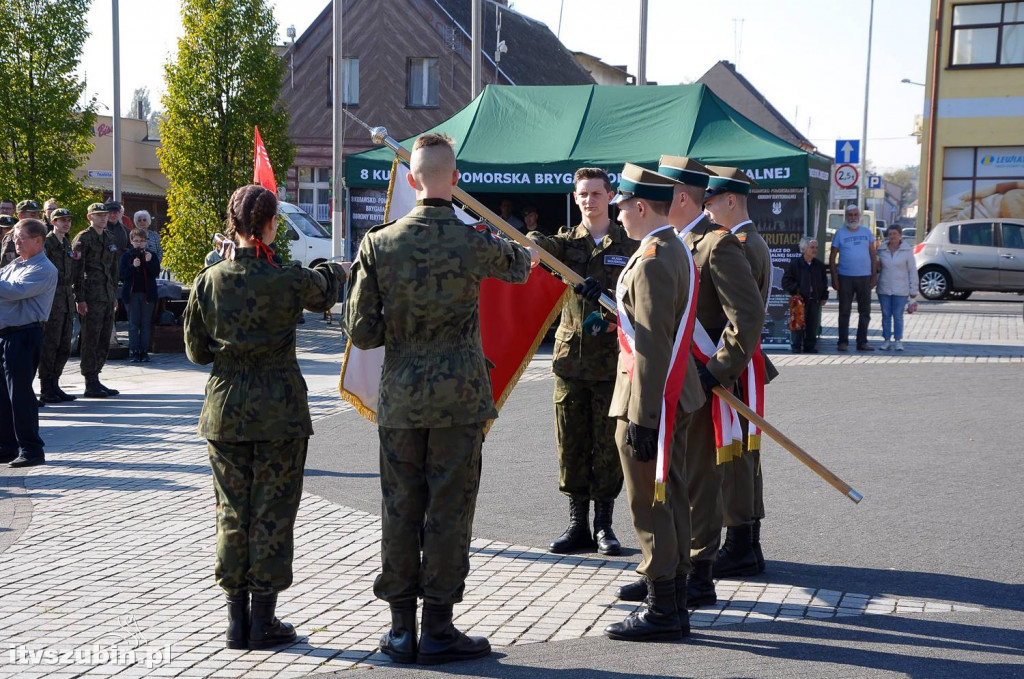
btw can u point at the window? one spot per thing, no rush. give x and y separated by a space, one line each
315 192
423 82
1013 236
976 234
985 182
349 81
990 34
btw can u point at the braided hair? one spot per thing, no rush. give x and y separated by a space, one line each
250 208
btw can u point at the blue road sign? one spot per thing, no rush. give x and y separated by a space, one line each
848 151
874 181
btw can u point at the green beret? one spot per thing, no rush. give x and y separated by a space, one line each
636 182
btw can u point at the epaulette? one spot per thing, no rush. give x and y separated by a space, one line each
651 251
378 227
742 237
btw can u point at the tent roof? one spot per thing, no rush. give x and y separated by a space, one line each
531 139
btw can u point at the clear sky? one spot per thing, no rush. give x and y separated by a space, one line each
807 57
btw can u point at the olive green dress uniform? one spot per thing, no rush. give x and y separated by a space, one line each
585 367
241 316
95 283
415 291
57 331
729 307
742 494
654 288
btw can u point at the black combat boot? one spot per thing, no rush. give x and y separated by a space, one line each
736 557
700 588
657 620
440 642
48 389
684 612
64 396
237 636
634 591
265 630
399 643
604 536
93 388
110 392
755 537
577 537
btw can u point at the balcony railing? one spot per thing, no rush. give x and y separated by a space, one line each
321 213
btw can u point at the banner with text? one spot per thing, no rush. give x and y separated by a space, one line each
779 215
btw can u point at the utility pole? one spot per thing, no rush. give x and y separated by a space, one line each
477 43
338 130
115 189
641 69
862 193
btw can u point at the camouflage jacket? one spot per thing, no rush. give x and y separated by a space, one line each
7 250
577 354
729 305
58 251
416 290
241 316
96 272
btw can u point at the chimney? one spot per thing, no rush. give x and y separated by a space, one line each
141 109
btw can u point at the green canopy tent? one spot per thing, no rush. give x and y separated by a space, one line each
530 140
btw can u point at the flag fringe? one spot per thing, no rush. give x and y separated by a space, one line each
348 395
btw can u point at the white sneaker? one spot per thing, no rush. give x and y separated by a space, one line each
899 345
886 346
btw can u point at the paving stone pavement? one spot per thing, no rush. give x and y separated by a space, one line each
113 545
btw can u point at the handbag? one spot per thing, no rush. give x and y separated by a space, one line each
797 320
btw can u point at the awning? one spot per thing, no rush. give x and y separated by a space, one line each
130 185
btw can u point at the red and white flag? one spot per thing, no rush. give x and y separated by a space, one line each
513 321
262 173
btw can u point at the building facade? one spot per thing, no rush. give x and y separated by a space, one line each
972 158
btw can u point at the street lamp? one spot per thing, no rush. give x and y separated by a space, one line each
908 81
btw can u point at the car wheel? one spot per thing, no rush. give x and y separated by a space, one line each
934 283
958 294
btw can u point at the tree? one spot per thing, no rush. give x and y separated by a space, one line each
224 81
44 131
907 178
140 96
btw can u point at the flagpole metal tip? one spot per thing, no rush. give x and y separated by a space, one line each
855 496
378 134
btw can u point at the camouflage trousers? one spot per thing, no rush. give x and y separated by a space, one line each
662 528
56 343
588 461
258 485
705 486
97 325
429 480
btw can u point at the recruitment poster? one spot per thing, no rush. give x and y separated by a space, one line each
779 215
365 210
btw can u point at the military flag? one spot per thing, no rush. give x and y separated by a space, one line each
513 320
262 173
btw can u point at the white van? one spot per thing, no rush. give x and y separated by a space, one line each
308 242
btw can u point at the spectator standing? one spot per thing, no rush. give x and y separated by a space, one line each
26 294
138 270
7 207
57 333
530 219
509 215
49 206
854 276
143 220
897 280
806 278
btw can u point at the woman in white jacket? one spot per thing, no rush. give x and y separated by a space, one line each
897 281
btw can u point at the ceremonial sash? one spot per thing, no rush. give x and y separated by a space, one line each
676 371
728 434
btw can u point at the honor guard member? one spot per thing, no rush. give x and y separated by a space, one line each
584 362
742 488
95 288
656 390
415 291
7 223
57 331
241 316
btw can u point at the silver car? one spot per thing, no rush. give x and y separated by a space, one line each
957 258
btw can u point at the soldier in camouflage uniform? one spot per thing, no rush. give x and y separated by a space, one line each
241 316
415 291
27 209
95 288
7 223
57 332
742 488
584 364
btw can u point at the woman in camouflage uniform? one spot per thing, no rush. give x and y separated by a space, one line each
241 317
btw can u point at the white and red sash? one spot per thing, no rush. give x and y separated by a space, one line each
728 434
676 372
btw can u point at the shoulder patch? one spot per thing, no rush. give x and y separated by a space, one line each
651 251
742 237
380 226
